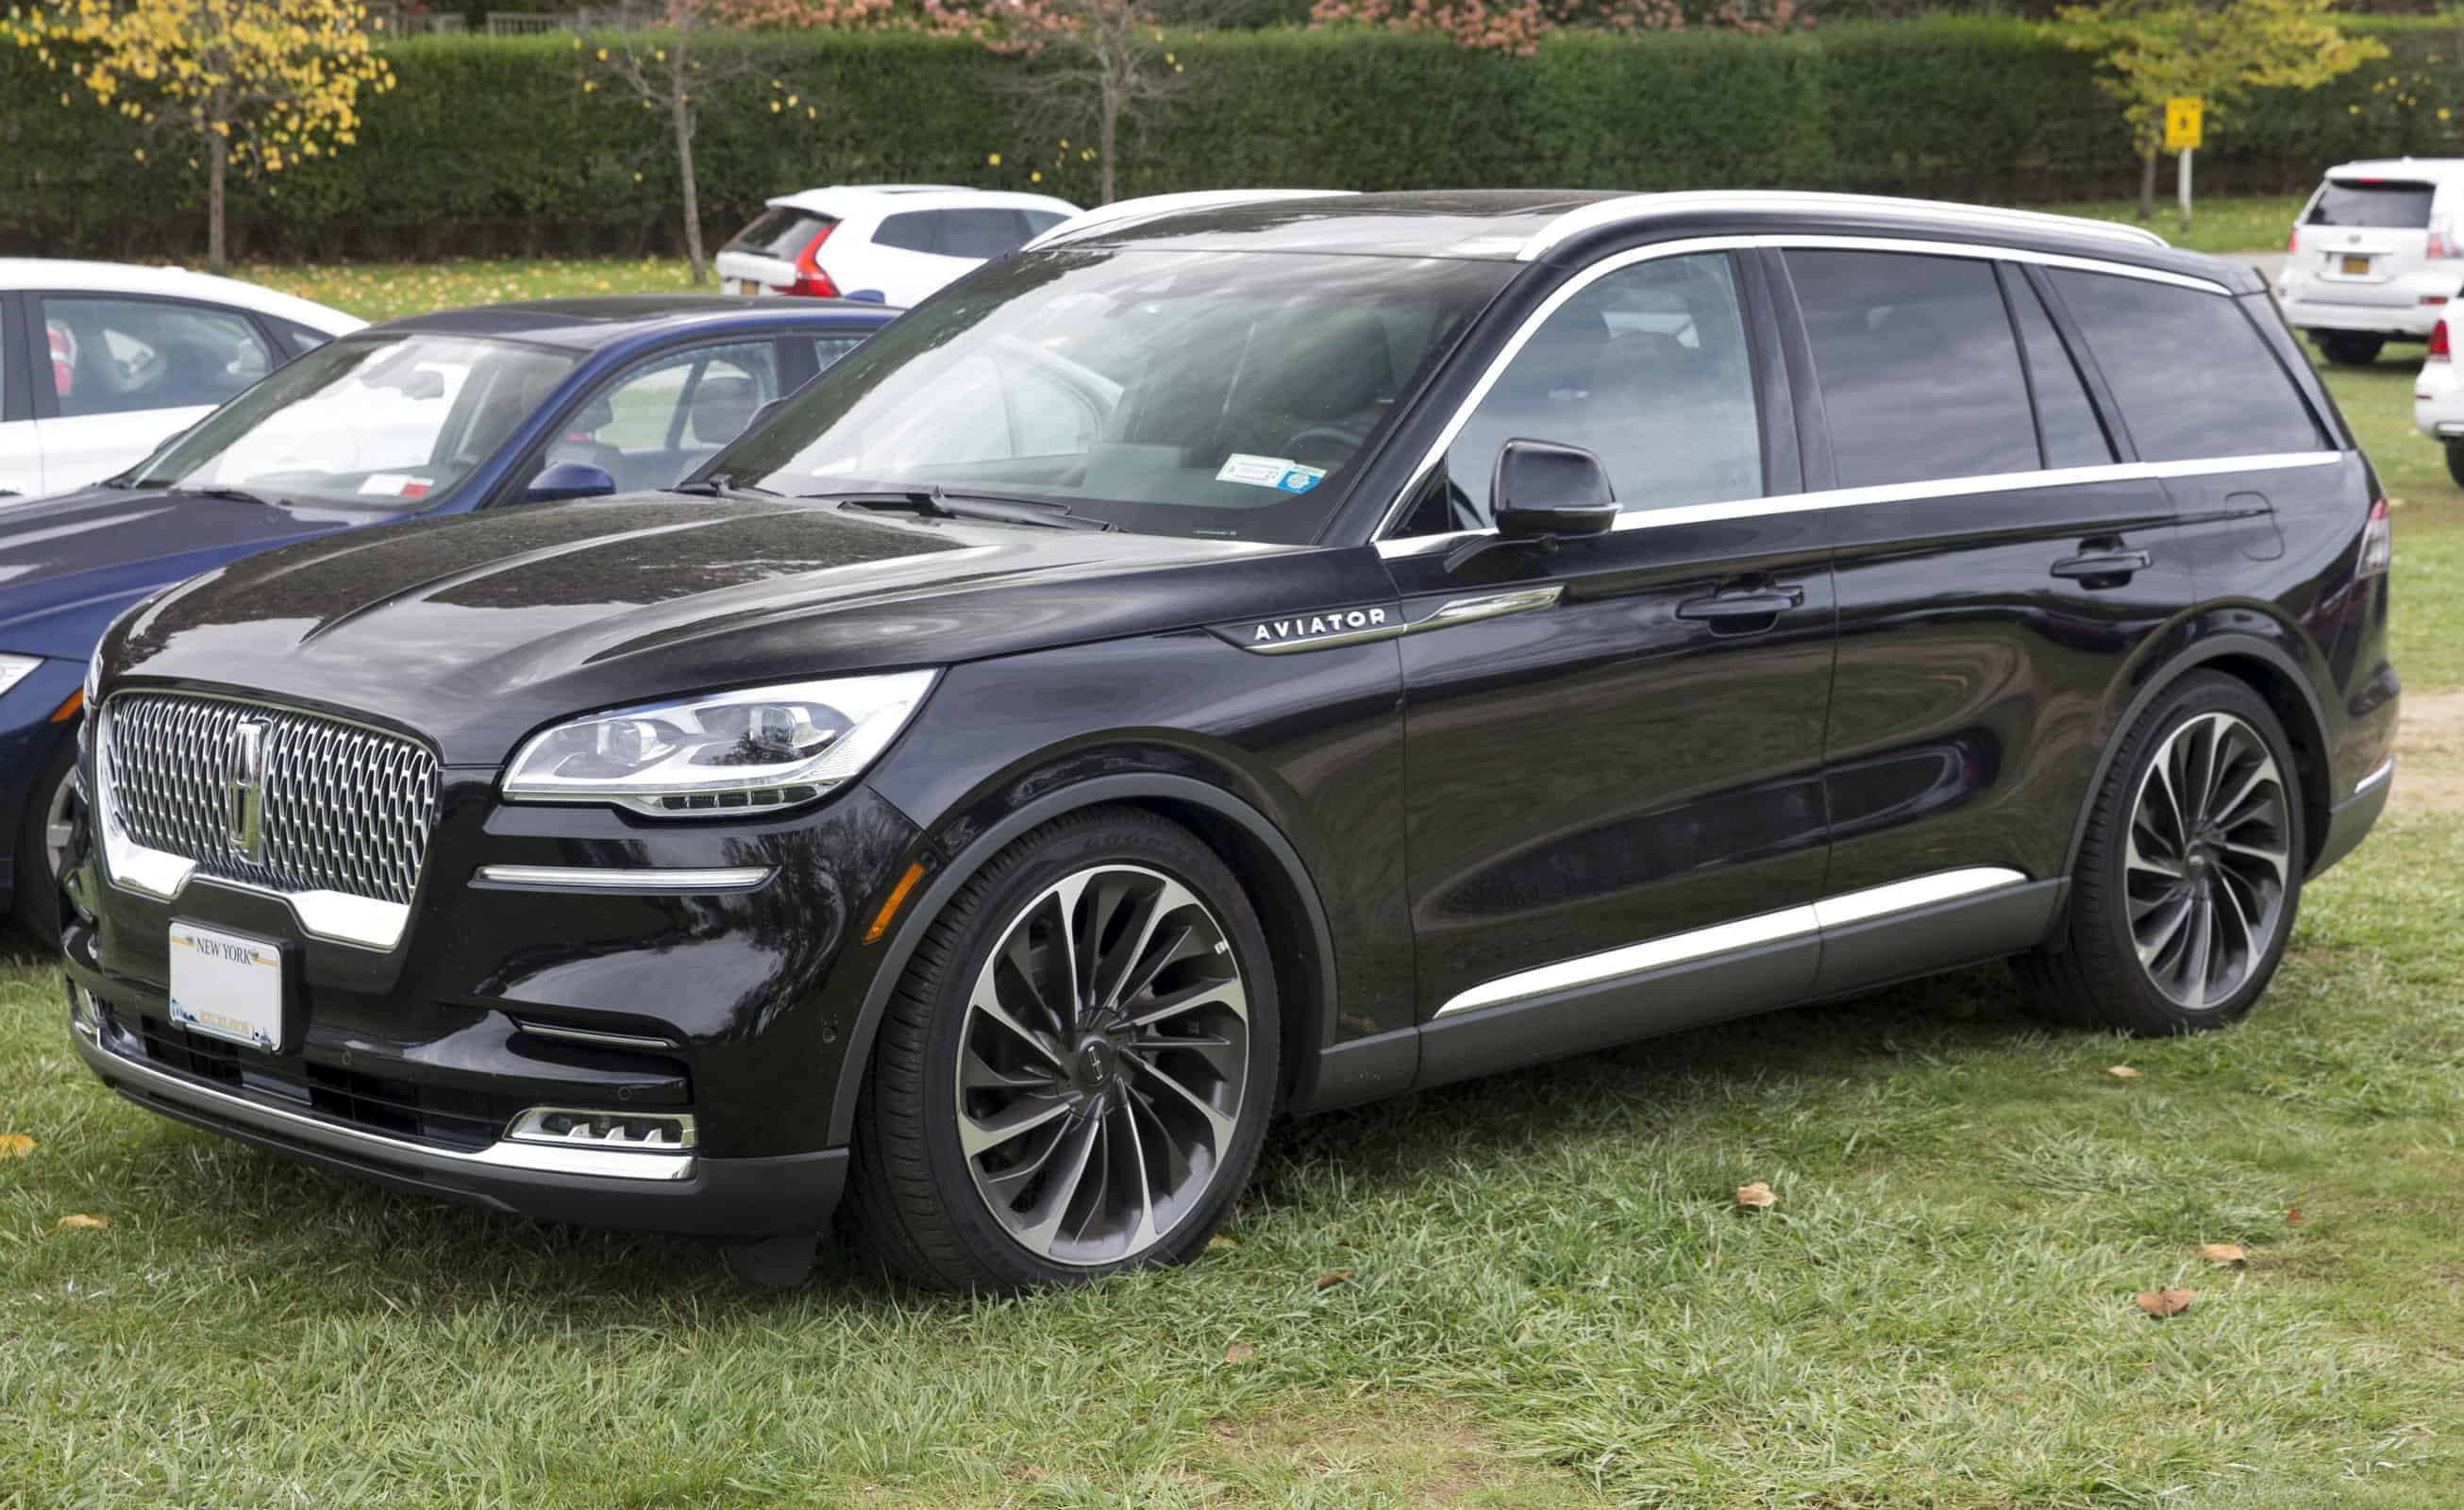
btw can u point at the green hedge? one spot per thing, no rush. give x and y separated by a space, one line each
490 146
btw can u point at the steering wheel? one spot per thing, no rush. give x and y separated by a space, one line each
1346 437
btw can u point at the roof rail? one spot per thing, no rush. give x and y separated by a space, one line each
1122 212
1632 206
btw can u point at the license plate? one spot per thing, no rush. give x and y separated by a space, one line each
748 286
227 985
2357 266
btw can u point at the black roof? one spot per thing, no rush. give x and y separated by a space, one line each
590 323
1501 224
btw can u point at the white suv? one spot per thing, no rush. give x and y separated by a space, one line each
896 242
2374 256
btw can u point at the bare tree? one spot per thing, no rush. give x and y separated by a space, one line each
1095 65
666 70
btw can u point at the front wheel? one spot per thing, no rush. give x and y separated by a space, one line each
2191 874
1076 1072
2350 351
43 844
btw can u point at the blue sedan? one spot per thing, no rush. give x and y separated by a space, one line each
438 414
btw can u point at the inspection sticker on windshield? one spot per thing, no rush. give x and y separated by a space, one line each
389 483
1278 472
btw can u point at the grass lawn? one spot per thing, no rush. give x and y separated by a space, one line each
1553 1298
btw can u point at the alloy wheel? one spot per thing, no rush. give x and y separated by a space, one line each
1103 1065
59 814
2209 860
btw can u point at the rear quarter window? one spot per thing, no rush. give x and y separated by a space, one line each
2379 205
2192 375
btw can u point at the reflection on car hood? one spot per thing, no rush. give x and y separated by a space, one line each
475 630
68 563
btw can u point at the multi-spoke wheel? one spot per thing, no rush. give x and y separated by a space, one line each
1075 1074
43 844
2190 871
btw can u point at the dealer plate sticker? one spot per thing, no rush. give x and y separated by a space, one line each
1278 472
227 985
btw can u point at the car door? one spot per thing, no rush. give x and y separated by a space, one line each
1613 748
21 449
656 419
124 371
1999 566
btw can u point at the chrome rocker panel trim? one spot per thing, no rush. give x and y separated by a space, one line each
1766 928
536 1158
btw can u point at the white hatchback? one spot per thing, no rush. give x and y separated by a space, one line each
2375 255
895 242
101 362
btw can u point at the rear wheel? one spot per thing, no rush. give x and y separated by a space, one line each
1075 1075
2455 461
42 847
2349 350
2191 874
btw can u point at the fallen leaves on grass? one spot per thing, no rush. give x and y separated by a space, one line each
1333 1278
2224 1252
1757 1197
79 1222
1239 1352
2160 1303
1219 1243
16 1144
2122 1072
2292 1216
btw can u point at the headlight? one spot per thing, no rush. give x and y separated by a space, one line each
15 668
766 746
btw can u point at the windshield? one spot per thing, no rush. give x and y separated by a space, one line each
1204 393
367 422
2373 203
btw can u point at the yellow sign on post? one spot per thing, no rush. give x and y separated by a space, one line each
2183 115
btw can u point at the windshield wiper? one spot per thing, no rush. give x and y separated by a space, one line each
940 503
233 494
719 485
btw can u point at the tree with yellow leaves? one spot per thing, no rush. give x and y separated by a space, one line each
2155 50
251 85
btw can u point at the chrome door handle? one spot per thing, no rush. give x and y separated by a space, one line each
1761 602
2107 565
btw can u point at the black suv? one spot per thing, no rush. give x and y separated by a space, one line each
1248 658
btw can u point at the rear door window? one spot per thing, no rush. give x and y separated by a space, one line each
981 234
1919 371
2192 375
911 230
2379 203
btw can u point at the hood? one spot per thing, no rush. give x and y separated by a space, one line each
69 565
477 629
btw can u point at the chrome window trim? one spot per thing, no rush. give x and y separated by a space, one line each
2387 769
1828 498
1927 211
600 878
319 1132
1722 938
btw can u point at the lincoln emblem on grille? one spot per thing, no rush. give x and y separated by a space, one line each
244 792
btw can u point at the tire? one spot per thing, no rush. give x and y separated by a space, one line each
2349 350
969 1186
36 892
2165 937
2455 461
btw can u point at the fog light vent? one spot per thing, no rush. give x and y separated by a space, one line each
85 1014
654 1132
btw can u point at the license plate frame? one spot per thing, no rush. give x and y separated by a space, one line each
2353 265
230 986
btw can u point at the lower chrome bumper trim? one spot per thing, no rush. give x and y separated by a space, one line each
2386 769
603 878
317 1131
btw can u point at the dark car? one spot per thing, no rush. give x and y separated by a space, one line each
438 414
1249 660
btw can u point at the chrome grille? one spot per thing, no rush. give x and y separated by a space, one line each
340 807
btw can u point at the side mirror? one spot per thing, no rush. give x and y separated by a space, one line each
1543 489
568 479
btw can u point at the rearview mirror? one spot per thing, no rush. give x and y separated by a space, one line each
1543 489
568 479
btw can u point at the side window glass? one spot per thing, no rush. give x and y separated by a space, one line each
1919 371
914 231
829 349
986 233
2192 377
1646 369
2073 435
661 420
114 356
297 337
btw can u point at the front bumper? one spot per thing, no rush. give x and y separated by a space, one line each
553 957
